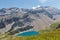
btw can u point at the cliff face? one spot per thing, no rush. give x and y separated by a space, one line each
15 19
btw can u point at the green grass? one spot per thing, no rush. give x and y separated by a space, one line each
54 25
52 35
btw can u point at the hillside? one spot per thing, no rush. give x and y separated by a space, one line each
14 19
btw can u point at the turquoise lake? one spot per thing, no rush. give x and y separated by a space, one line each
28 33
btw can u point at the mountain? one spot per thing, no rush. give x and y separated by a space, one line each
18 20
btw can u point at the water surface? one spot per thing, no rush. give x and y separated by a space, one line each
28 33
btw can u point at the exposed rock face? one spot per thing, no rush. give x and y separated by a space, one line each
13 19
42 23
2 25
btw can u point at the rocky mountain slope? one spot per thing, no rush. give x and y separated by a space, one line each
18 20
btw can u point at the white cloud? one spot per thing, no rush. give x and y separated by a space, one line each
33 7
36 7
44 1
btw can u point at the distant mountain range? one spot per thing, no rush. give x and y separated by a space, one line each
18 20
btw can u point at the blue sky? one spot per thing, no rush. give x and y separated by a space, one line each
28 3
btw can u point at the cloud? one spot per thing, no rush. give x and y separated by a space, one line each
36 7
44 1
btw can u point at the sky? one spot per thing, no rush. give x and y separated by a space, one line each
28 3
